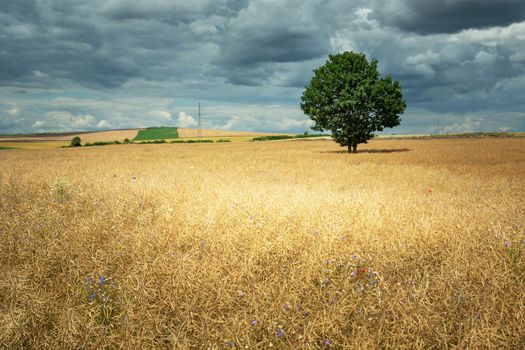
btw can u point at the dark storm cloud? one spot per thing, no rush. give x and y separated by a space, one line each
450 16
275 46
58 43
112 61
268 33
50 44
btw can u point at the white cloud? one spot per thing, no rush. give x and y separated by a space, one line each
203 27
186 121
163 115
64 120
469 124
518 57
13 111
233 123
485 58
83 121
273 118
422 69
490 37
103 124
429 57
291 124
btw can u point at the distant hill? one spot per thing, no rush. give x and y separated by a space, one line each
46 140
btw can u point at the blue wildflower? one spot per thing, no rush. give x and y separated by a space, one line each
327 342
102 280
253 322
280 332
91 297
507 244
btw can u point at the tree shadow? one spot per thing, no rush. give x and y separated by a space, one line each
393 150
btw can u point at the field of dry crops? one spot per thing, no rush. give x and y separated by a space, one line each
61 140
95 136
409 244
194 133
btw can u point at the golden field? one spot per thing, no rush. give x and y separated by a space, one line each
60 140
207 133
96 136
408 244
37 144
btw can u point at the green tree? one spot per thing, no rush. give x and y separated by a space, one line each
75 142
348 97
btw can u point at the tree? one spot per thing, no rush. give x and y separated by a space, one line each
348 97
75 142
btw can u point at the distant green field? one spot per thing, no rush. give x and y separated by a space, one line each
1 148
157 134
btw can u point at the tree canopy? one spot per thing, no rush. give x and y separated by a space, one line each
348 97
75 142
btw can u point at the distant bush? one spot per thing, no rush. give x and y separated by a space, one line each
101 143
309 135
285 137
192 141
272 137
223 140
126 140
75 142
152 142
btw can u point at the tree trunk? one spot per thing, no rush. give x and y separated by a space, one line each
349 148
354 146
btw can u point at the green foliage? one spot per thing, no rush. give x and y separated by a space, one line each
102 143
157 133
60 190
126 140
309 135
286 137
100 295
75 142
223 140
192 141
272 137
3 148
152 142
348 97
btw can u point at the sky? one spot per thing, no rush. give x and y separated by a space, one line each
111 64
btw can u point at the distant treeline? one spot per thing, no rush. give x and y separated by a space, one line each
453 136
127 141
285 137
